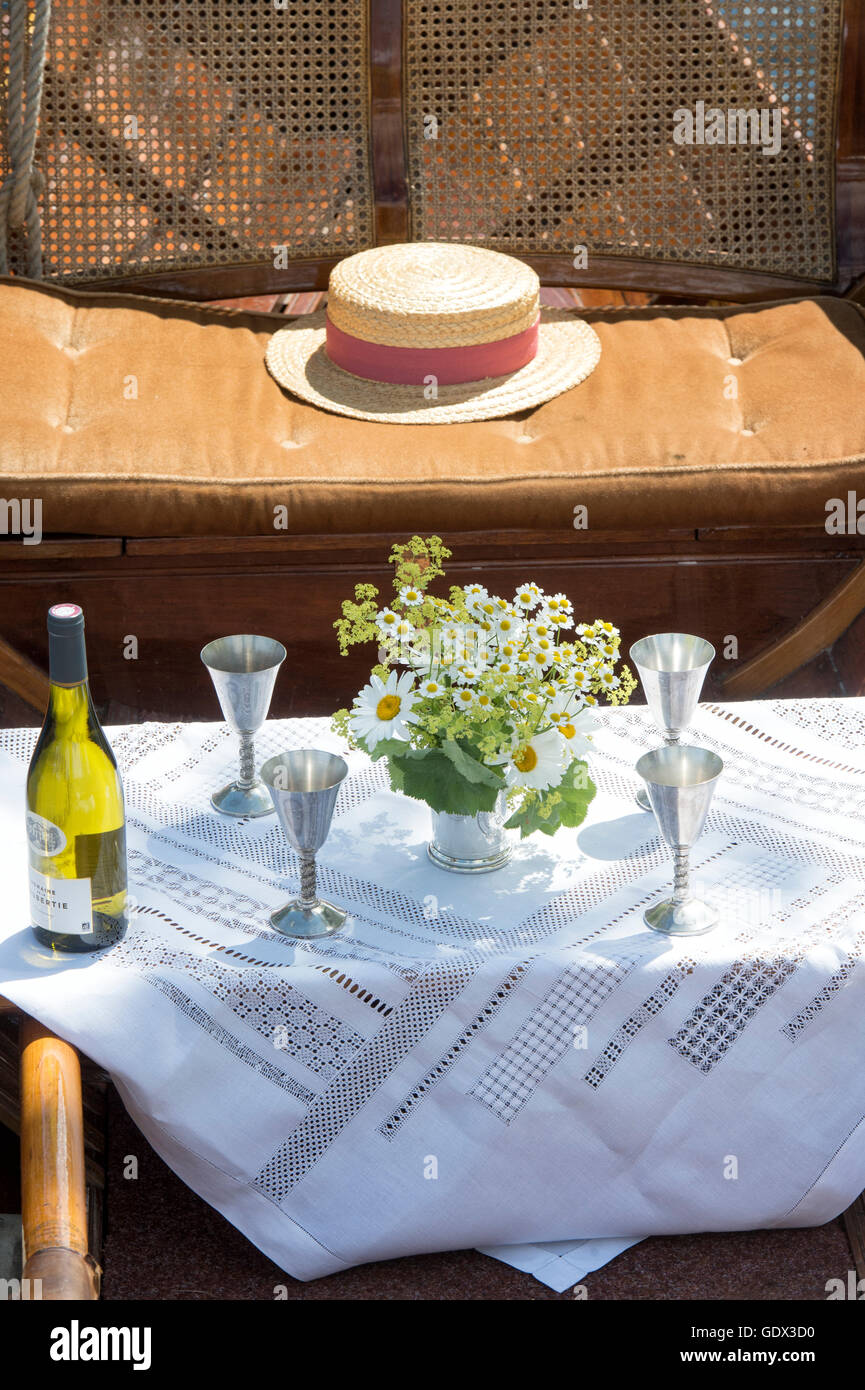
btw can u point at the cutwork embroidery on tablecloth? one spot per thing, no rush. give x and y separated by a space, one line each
726 1010
259 998
434 992
798 848
211 902
797 1025
239 912
625 1035
843 727
133 744
787 759
398 1117
548 1033
790 779
227 1040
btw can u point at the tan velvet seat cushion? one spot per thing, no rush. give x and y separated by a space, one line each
141 417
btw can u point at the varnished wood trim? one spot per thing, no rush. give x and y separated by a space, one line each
220 281
53 1198
387 124
851 107
22 676
813 635
850 167
87 548
614 272
673 277
378 545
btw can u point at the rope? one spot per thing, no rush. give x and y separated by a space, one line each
23 186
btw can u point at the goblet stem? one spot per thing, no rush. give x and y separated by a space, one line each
681 880
247 761
672 737
307 881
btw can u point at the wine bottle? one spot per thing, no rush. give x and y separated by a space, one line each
76 827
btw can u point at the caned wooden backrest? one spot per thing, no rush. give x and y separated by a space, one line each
216 147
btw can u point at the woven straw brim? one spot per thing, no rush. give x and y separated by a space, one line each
568 350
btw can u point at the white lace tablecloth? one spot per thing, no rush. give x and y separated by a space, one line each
506 1060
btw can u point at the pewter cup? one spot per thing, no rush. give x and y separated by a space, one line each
680 782
243 669
304 787
672 667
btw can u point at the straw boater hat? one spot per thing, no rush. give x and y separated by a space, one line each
432 333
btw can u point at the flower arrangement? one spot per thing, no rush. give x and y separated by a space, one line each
476 695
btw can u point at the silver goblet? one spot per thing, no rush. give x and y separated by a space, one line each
680 781
304 787
243 669
672 667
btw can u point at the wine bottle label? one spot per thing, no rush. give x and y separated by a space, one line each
45 837
61 905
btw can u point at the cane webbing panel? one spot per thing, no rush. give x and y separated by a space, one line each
186 133
543 127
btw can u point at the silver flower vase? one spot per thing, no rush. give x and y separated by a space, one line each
471 844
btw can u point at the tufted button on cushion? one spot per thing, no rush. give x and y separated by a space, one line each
142 417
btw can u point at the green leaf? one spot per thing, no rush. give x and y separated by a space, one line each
577 788
389 748
429 775
469 767
576 791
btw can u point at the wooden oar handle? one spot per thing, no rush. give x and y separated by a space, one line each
53 1194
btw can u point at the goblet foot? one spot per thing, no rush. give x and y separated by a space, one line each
236 800
642 799
318 920
691 918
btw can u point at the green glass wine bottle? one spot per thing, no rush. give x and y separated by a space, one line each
76 826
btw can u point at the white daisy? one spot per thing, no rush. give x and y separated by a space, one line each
430 689
475 594
537 659
465 698
383 709
560 604
465 675
527 597
509 627
574 729
387 621
410 596
560 621
539 763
